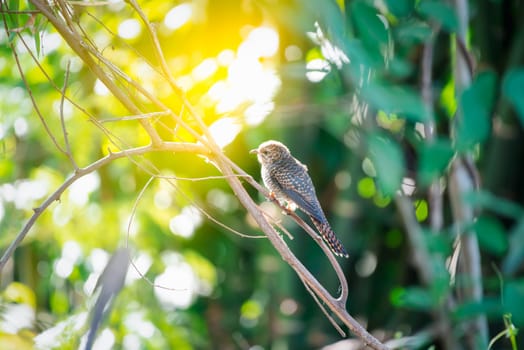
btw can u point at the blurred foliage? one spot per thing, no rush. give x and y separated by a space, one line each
339 82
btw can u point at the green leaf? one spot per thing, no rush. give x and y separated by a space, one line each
499 205
477 103
513 90
400 68
434 158
388 160
38 43
400 8
13 20
413 298
491 235
413 32
471 309
370 28
437 243
515 256
514 301
439 12
399 100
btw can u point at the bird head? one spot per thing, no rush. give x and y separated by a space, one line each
270 151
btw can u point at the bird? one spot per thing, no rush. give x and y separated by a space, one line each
288 181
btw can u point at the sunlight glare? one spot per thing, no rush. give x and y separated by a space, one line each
23 193
251 83
178 16
185 223
16 317
226 57
142 263
185 82
105 340
80 190
137 322
100 88
256 113
52 337
317 69
21 127
181 278
71 254
204 70
225 130
261 42
129 29
330 51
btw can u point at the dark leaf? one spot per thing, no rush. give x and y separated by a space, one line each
400 8
513 90
388 160
471 309
413 32
515 256
434 158
399 100
486 200
514 301
370 27
439 12
491 235
413 298
477 103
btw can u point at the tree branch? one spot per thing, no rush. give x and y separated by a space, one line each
207 146
334 304
80 172
462 181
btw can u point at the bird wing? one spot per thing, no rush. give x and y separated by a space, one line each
294 187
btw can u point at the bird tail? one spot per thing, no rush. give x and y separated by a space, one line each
331 239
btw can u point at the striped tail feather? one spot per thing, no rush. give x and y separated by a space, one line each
331 239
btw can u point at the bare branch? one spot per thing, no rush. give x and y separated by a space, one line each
166 147
109 74
62 120
324 311
421 256
78 45
30 91
461 181
334 304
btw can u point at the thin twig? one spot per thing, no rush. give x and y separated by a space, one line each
461 181
135 117
421 256
334 304
62 119
30 92
324 311
167 146
129 223
78 45
435 191
84 51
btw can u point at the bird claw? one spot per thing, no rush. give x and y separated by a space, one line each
291 207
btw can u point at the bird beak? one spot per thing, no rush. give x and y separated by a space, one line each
254 151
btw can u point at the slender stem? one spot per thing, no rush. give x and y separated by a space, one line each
81 172
462 180
334 304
